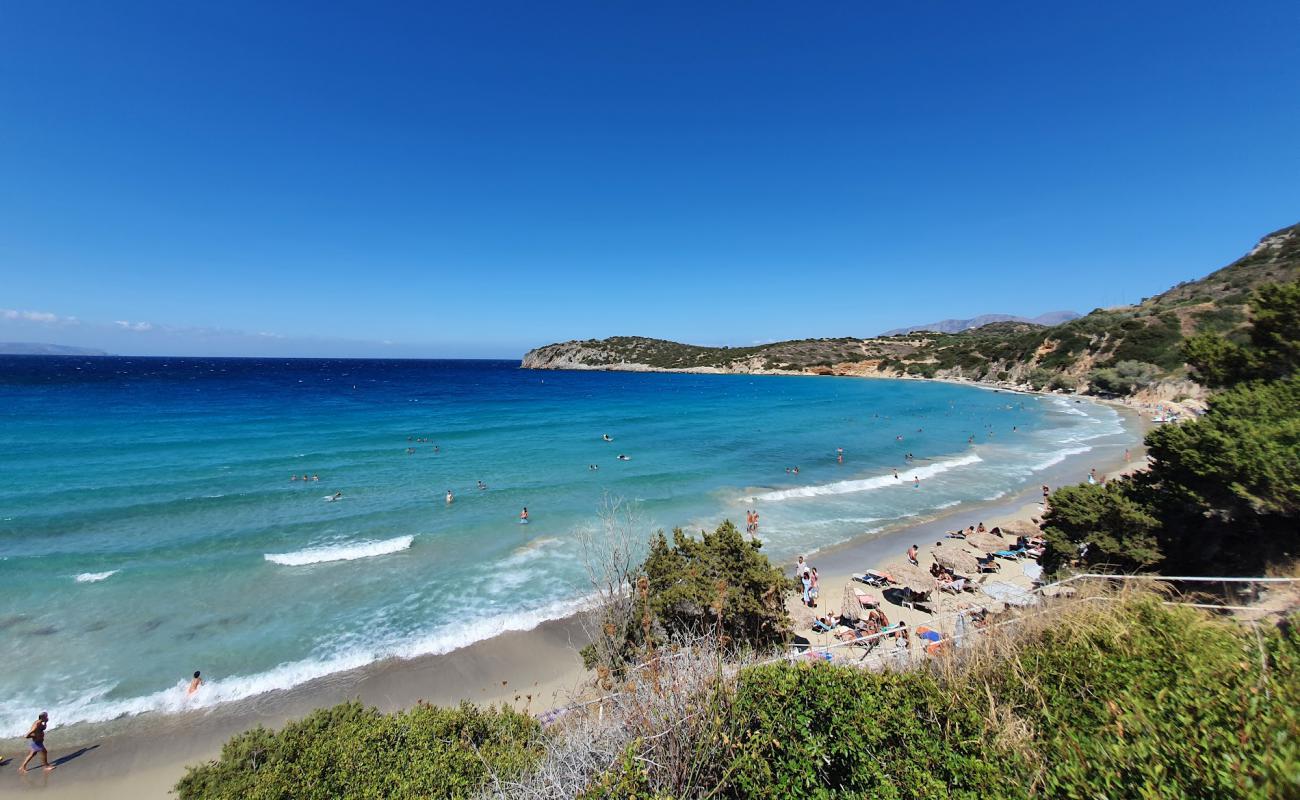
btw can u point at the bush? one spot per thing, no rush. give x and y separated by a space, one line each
719 582
1115 696
1124 378
350 751
1113 529
719 585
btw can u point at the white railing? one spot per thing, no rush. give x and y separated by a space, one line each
940 622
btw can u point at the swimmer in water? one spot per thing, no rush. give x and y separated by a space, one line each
523 515
293 477
336 496
482 485
194 684
608 438
622 457
450 497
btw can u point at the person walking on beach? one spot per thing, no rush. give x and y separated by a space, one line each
194 684
806 580
813 591
37 744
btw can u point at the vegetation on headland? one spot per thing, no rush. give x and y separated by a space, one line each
1116 351
1222 494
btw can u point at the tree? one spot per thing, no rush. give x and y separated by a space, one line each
1105 523
1227 485
1273 349
718 582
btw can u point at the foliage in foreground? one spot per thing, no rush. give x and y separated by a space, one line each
1122 699
719 585
350 751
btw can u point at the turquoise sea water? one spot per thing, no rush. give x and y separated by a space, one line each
149 526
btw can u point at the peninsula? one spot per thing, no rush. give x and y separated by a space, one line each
1133 350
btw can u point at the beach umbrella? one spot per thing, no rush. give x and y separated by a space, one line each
956 560
985 542
850 608
1020 528
918 579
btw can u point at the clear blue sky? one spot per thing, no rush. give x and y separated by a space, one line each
477 178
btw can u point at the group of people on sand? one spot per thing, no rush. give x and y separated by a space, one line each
807 575
751 522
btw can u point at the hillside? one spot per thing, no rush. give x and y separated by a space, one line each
1122 350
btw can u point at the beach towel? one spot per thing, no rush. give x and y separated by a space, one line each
1032 571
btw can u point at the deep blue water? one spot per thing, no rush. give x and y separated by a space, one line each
149 526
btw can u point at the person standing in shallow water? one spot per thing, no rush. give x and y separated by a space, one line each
194 684
37 743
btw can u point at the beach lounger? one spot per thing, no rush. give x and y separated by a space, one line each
954 587
872 578
821 627
865 600
1011 554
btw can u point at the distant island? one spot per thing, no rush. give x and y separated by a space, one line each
43 349
959 325
1124 351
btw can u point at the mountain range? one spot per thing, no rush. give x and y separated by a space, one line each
43 349
959 325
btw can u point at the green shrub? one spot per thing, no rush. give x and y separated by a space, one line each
350 751
1119 698
1124 378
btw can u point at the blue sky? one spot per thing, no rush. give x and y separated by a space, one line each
475 179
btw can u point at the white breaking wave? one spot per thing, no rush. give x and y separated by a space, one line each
1065 406
340 552
1058 457
96 577
868 484
92 706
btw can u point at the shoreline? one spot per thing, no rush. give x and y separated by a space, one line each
533 670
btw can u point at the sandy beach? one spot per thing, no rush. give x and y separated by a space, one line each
532 670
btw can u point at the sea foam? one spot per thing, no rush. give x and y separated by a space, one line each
867 484
95 705
96 577
340 552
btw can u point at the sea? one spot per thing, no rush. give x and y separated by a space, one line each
154 519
